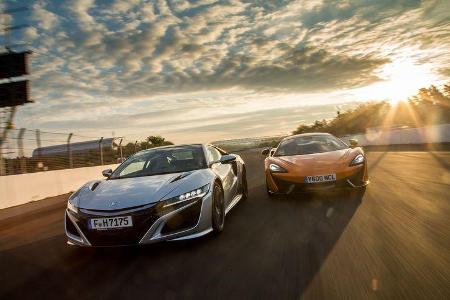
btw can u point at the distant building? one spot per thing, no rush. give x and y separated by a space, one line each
76 148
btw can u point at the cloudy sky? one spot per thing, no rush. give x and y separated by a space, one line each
208 70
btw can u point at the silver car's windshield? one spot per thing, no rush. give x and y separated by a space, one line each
309 144
162 161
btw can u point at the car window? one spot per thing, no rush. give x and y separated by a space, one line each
162 161
309 144
135 166
183 155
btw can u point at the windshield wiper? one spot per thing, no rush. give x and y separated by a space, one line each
153 174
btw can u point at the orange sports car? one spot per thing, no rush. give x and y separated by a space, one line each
314 161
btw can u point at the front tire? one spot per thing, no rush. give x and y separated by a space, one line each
244 185
218 209
269 192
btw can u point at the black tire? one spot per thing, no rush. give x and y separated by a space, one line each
218 209
360 192
244 185
269 193
356 192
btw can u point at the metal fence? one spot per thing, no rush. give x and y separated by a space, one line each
28 151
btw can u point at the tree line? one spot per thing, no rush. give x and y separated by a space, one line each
429 106
149 142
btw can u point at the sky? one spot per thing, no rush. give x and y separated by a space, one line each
201 71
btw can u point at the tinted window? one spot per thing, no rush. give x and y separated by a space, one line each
162 161
309 144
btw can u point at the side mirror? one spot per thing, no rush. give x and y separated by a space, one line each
227 158
265 151
107 173
353 143
272 151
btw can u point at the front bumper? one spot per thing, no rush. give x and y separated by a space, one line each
151 223
278 184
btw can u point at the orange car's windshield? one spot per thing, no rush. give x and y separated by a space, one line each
309 144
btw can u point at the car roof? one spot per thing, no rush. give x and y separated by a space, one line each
305 134
170 146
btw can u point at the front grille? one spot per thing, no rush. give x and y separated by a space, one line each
142 221
185 219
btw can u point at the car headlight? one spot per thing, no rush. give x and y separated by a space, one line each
276 169
359 159
71 206
185 197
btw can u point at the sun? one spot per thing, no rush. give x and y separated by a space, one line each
395 101
401 79
404 79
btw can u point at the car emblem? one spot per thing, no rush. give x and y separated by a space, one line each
113 204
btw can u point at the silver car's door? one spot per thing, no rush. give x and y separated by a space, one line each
226 172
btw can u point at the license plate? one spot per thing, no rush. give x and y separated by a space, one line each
320 178
110 223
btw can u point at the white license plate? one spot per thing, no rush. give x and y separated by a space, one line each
320 178
110 223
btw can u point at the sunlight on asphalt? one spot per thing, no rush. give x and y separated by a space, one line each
330 211
375 284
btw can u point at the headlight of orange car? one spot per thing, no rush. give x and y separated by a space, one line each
359 159
274 168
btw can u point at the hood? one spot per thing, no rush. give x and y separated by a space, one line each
318 161
129 192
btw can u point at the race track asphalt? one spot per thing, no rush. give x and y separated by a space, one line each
393 242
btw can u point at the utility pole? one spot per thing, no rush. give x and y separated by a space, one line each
100 145
23 165
38 143
121 152
69 150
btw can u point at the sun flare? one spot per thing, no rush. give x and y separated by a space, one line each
401 79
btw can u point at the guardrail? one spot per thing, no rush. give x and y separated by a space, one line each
24 188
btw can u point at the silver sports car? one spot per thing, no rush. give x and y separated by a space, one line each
165 193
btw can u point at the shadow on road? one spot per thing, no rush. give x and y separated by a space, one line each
316 222
442 161
373 165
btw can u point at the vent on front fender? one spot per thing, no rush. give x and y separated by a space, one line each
71 228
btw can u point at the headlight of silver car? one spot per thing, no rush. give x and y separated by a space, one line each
274 168
71 206
185 197
359 159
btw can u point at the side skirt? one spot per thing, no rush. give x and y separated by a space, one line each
233 203
193 236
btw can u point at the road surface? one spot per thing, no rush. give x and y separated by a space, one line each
391 243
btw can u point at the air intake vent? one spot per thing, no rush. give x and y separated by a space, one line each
94 185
